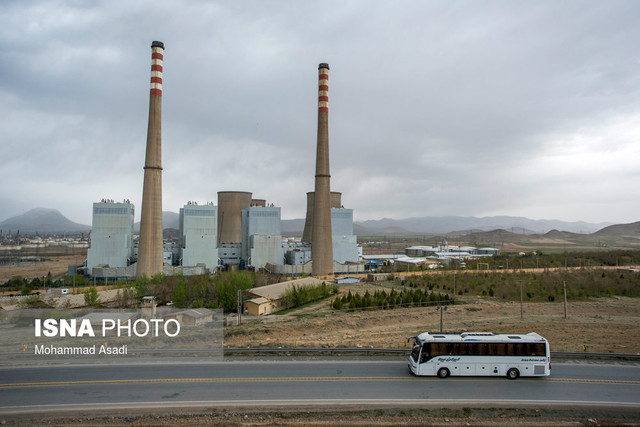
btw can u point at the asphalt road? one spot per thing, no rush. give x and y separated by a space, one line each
33 389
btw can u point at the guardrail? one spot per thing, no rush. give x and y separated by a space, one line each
383 351
287 351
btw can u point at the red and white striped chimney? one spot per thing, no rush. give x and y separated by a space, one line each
150 253
321 234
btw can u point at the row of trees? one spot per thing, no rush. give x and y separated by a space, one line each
393 299
540 286
296 296
539 259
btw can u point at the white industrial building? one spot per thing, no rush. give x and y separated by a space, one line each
261 236
199 235
258 244
111 235
345 243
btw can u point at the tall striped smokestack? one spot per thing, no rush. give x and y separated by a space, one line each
321 243
150 254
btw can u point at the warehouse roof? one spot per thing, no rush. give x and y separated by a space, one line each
277 290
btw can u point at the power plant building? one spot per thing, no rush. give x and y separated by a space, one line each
199 235
261 236
111 235
240 232
345 243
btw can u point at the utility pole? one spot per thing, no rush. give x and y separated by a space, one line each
442 309
239 306
521 308
564 285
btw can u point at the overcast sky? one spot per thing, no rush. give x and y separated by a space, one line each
470 108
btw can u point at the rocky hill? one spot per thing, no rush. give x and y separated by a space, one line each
42 220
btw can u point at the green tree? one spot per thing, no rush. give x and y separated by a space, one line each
91 297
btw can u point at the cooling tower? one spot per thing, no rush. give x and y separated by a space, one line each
230 206
150 255
336 202
321 244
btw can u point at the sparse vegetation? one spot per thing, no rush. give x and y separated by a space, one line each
539 286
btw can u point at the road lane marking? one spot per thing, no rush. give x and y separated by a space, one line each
305 379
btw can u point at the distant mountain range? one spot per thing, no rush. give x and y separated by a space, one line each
169 220
41 220
455 226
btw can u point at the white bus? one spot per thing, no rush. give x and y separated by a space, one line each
480 354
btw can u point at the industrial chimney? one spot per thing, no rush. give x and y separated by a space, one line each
150 254
321 244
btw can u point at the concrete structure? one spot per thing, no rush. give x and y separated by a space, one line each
345 280
230 255
199 235
111 235
322 247
150 250
260 306
268 299
306 268
258 202
298 256
111 274
336 202
191 317
345 243
230 206
148 306
261 236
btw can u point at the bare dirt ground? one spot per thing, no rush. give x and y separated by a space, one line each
311 416
57 265
603 325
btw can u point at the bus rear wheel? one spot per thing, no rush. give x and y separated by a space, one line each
513 373
443 372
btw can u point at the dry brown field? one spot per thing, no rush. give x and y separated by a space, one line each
56 265
603 324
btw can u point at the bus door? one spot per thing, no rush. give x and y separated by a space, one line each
427 365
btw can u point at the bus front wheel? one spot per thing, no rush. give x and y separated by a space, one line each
513 373
443 372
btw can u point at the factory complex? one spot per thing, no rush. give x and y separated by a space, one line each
240 232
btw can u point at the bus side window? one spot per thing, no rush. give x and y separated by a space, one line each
463 349
437 349
449 348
